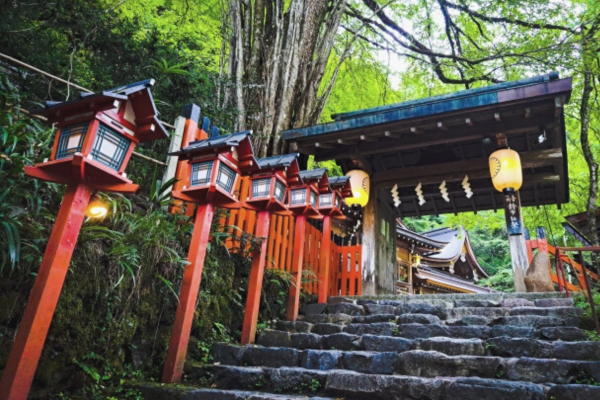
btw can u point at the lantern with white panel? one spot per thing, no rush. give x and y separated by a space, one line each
269 183
96 135
304 198
331 203
216 165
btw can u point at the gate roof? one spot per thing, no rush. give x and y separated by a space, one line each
444 138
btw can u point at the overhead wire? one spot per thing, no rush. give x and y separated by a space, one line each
31 67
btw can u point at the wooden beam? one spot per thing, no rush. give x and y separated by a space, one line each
322 145
478 132
346 142
457 170
368 138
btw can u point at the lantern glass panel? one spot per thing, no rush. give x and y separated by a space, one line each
71 140
279 191
337 201
201 173
225 177
313 199
109 147
298 197
261 187
325 200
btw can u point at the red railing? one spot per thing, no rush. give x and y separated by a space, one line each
559 275
280 245
585 277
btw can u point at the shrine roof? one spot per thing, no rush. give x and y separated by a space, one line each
449 137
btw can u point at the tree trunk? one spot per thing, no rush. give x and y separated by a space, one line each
278 52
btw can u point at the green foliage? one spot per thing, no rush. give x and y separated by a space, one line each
116 309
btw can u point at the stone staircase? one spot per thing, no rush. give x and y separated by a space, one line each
491 346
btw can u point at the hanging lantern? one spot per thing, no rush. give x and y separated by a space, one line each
505 169
96 209
359 180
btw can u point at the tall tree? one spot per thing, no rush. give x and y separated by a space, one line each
278 54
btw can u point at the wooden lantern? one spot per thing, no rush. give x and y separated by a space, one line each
96 136
269 183
304 198
331 203
94 141
216 165
270 180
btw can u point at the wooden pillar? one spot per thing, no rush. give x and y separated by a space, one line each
528 245
190 286
256 278
27 348
516 238
296 272
379 265
323 284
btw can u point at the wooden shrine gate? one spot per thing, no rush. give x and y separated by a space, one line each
345 266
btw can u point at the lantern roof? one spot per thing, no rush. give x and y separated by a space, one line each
282 161
341 183
287 161
138 93
216 144
319 176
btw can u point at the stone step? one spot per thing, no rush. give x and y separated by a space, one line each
425 363
450 297
560 316
533 327
160 392
500 346
352 385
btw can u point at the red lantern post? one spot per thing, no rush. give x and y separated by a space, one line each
303 202
269 183
213 168
95 138
330 206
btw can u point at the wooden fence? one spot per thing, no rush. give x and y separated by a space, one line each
345 263
541 244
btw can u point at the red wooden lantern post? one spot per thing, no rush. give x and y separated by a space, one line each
214 167
268 183
94 141
303 202
330 206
